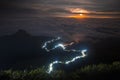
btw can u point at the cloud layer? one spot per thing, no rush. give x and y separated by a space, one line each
58 7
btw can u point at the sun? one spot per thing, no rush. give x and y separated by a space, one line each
78 16
81 14
78 13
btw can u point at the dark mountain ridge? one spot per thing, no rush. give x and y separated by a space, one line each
22 50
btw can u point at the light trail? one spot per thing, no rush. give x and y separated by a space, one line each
66 62
50 69
48 42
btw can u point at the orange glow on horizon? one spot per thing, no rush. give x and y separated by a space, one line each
83 13
78 13
83 16
78 16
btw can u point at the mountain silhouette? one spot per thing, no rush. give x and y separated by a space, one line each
21 33
22 50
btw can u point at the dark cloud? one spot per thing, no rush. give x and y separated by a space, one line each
111 5
13 6
51 7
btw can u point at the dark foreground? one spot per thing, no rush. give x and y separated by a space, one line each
90 72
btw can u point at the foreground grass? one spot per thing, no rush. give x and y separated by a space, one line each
94 72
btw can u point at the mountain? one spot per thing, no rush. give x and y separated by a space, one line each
22 50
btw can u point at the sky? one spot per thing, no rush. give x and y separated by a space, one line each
61 8
42 17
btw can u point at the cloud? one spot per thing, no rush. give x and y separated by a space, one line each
56 7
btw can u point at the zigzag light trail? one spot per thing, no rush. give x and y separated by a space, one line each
51 41
64 49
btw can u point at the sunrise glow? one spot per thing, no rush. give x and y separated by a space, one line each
78 10
77 16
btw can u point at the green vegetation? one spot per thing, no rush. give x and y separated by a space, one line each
94 72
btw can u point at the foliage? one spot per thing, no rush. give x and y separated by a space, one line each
94 72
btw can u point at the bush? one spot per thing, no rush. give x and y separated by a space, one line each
94 72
